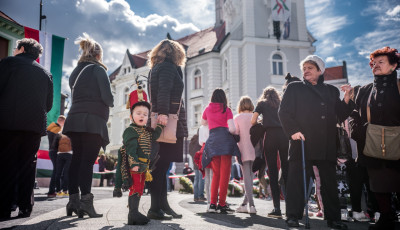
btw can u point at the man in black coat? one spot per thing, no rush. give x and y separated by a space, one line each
26 95
309 111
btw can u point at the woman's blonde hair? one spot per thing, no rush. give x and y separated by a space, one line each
271 97
244 104
90 49
167 49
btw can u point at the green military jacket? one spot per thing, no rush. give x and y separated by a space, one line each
135 151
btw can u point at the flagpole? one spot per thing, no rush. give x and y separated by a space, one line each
41 15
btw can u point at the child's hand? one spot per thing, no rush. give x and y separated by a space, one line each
135 169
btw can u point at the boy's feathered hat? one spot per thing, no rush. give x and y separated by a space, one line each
137 97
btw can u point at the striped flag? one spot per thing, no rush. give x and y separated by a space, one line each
44 167
52 60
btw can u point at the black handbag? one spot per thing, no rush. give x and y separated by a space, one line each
236 137
343 143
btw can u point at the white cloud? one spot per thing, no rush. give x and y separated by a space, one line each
330 59
368 42
199 12
384 11
335 45
393 12
321 18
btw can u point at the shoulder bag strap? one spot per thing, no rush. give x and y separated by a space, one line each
76 80
368 107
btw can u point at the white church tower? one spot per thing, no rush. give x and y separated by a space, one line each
250 57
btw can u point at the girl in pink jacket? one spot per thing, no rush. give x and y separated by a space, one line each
243 124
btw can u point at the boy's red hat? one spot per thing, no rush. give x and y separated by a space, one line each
136 96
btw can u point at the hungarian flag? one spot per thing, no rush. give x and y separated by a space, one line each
44 167
52 60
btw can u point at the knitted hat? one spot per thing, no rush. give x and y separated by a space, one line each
137 97
315 59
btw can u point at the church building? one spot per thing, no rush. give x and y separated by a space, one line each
240 54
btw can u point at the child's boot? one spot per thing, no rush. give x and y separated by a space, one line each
134 216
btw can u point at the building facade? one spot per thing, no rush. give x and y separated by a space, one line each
10 32
239 54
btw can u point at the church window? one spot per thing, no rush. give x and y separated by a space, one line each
126 95
277 64
197 79
197 115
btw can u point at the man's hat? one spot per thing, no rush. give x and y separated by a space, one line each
137 97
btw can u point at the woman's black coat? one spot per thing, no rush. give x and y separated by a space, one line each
387 114
91 100
166 88
305 109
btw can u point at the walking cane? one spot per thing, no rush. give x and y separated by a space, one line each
305 185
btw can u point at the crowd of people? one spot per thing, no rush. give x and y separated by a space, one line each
293 132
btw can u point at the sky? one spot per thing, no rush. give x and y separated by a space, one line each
346 30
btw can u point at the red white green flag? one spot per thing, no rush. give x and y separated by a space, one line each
281 10
52 60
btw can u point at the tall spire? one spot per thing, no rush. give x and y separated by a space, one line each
219 12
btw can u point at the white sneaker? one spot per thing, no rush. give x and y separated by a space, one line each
252 210
360 217
242 209
377 215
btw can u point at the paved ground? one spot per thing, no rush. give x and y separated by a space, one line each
50 214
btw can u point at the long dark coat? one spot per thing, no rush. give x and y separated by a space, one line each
304 109
26 94
385 110
166 89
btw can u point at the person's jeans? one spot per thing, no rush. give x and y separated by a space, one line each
198 186
53 158
63 163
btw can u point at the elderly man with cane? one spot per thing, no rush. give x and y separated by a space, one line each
309 111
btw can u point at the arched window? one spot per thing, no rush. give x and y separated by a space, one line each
126 95
225 70
197 79
277 64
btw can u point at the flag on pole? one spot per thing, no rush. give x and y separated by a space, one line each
281 10
286 31
52 60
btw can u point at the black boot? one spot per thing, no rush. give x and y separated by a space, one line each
134 216
168 210
86 207
385 222
73 204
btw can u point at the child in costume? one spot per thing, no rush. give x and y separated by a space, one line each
134 156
